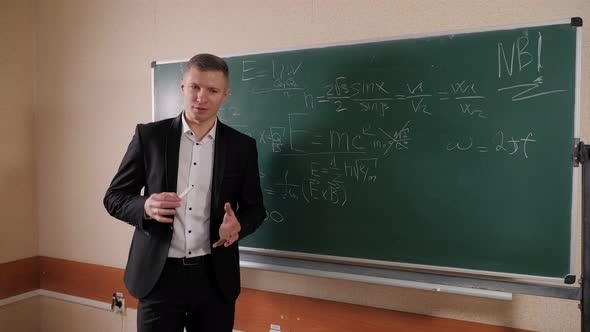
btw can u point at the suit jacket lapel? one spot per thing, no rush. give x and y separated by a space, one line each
172 151
221 147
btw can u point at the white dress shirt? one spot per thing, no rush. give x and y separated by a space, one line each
190 237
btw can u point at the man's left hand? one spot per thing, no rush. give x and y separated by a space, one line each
229 231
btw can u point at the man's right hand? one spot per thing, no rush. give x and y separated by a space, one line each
162 207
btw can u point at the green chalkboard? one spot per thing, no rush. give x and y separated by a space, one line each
449 151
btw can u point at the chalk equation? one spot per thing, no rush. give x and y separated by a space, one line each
330 131
500 142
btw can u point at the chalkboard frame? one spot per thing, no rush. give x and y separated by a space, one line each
361 266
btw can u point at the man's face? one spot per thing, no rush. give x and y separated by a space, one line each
203 93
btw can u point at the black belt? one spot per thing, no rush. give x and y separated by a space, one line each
189 261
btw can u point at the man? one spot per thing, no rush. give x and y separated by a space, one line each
183 263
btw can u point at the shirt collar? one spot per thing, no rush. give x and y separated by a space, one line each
186 129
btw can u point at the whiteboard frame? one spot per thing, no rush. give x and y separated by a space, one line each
270 255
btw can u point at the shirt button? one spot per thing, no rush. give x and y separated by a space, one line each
194 163
190 231
189 252
190 208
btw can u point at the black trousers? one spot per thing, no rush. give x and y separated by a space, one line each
186 296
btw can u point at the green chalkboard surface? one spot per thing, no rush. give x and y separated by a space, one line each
449 151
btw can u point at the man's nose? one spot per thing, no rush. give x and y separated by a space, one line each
201 96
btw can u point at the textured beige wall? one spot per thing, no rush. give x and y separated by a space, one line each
21 316
57 315
525 312
93 83
17 181
93 86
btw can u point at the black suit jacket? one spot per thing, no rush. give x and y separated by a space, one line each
151 162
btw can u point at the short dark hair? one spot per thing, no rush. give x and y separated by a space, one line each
208 62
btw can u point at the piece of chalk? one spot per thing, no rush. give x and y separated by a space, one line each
185 192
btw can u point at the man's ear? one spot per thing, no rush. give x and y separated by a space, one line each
182 82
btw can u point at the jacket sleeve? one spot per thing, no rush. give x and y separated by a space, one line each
251 211
122 199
